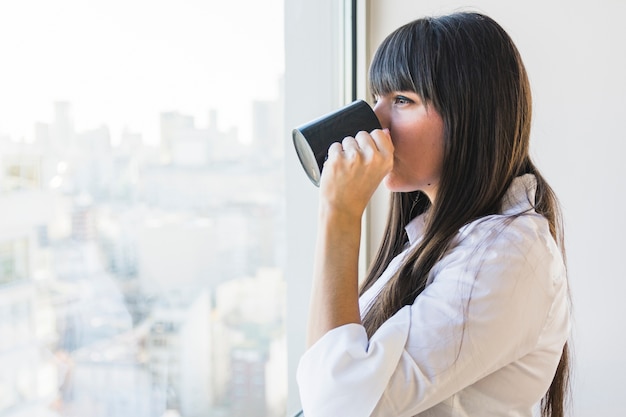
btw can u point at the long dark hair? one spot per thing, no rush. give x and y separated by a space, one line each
467 67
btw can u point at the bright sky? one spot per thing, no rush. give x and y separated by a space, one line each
122 62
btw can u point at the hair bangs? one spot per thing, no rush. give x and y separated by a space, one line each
390 73
409 70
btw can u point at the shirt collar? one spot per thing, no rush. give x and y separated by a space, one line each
415 228
519 198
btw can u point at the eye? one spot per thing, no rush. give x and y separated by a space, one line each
399 99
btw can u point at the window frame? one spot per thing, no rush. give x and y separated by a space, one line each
326 57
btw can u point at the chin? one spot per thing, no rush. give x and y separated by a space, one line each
396 185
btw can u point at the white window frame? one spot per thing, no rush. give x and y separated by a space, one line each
311 85
318 79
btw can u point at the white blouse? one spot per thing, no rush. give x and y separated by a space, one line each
483 339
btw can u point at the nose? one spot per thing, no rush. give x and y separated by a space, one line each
381 114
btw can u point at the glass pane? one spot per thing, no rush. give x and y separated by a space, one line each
142 209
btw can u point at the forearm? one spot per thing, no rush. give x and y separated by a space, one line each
352 172
334 296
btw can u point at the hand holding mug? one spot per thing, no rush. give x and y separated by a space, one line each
354 169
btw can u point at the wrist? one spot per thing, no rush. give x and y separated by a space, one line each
340 219
339 231
341 213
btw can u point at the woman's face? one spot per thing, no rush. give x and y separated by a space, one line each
417 135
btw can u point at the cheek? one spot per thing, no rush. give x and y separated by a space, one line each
434 147
406 137
416 142
419 138
433 136
424 147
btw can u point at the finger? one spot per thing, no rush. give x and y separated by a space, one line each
382 141
334 150
365 142
350 144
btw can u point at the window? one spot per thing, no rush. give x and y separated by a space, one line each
142 214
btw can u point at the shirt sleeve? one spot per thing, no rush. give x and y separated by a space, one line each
344 363
484 309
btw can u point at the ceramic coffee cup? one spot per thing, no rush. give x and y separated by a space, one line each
313 139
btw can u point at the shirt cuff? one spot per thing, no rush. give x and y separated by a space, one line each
344 374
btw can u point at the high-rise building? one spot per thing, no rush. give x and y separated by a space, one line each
29 377
63 134
267 126
178 348
247 387
171 124
246 306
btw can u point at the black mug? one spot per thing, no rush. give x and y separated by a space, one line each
313 139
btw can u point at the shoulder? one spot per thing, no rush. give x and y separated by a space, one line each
506 250
520 231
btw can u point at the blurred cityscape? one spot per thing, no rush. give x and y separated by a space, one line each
143 281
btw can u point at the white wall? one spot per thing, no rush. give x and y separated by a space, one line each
575 54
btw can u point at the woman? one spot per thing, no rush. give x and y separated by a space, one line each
465 309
